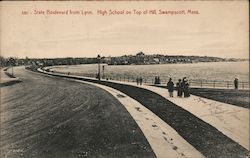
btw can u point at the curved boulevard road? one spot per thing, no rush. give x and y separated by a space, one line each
51 117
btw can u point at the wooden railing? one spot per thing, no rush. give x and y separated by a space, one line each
163 81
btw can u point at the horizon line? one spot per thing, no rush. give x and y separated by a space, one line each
120 56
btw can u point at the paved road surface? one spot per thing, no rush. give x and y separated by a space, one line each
52 117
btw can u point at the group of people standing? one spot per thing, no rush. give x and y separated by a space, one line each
139 80
182 87
157 80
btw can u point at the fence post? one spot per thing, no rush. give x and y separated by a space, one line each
242 85
214 83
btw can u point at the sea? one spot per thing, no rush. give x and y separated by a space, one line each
211 71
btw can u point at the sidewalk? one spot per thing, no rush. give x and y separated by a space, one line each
163 139
233 121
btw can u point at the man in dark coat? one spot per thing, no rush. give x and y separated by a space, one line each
156 80
140 80
159 80
186 87
179 88
236 83
170 87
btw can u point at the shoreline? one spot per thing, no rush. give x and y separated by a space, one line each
195 72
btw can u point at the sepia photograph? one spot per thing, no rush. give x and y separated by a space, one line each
124 79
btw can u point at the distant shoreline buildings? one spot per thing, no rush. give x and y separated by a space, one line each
143 59
138 59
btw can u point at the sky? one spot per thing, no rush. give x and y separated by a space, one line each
220 29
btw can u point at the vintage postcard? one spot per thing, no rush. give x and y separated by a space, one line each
124 79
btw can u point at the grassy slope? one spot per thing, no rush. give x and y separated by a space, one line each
230 96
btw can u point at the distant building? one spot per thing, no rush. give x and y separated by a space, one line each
156 60
107 60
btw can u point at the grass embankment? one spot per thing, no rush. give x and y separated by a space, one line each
230 96
8 79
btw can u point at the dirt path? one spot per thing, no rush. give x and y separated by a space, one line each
45 117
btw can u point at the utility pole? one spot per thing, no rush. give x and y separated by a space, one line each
99 69
103 67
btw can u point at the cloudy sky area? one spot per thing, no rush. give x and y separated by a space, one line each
221 29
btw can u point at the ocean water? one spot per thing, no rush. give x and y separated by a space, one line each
219 71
